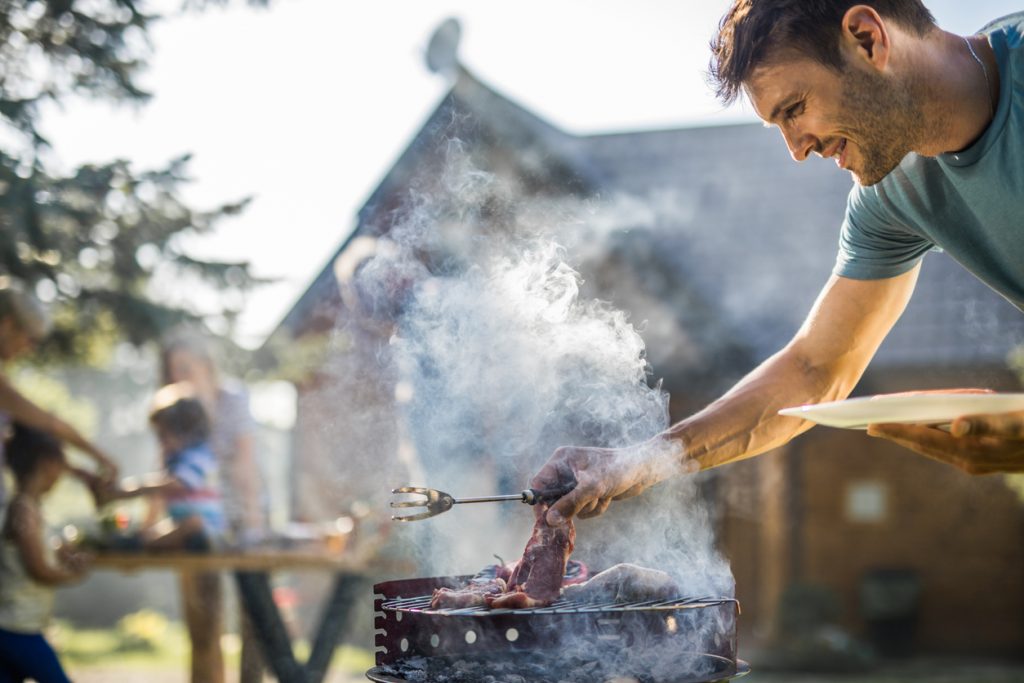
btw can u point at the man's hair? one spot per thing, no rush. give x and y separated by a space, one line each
187 341
27 448
754 32
176 410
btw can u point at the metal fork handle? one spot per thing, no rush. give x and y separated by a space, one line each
528 496
534 496
492 499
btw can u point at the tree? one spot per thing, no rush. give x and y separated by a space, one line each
94 242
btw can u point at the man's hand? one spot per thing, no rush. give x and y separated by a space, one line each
606 474
106 468
104 492
975 444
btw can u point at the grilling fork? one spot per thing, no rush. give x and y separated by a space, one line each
437 502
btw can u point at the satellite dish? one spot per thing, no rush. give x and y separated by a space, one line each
443 49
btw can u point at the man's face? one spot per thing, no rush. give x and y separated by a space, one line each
859 117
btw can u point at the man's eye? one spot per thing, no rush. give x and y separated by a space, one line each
793 111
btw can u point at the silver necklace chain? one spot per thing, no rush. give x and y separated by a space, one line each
988 83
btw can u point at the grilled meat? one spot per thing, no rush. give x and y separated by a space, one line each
624 583
473 595
538 576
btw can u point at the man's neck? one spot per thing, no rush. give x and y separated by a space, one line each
959 96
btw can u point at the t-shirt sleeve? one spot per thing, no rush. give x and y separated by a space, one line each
873 245
192 468
234 414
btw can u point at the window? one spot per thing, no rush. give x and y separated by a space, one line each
867 502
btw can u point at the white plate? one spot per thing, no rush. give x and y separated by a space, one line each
925 409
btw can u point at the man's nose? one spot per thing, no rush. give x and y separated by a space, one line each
800 144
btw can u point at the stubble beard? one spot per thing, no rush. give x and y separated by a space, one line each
884 119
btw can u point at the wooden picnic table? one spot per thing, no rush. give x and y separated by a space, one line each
251 570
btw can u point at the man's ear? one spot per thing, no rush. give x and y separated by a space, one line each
865 38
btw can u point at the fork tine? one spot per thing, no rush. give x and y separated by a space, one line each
413 518
411 489
409 504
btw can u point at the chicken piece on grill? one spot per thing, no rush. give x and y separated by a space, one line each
473 595
624 583
537 578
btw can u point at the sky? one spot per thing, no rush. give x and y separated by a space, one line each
306 105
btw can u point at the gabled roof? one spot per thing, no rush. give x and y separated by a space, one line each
758 234
752 234
472 112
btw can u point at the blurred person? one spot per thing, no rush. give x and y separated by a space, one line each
28 570
188 482
187 357
188 485
931 126
23 324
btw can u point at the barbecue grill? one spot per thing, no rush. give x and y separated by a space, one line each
650 641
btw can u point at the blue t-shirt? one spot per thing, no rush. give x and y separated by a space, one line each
969 204
196 468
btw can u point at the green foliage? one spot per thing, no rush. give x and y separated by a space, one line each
142 631
81 648
69 499
103 242
1016 483
52 48
53 395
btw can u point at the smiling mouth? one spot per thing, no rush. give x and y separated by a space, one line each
840 154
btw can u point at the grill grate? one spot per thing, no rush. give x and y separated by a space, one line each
421 605
406 626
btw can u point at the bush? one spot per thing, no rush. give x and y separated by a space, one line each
141 631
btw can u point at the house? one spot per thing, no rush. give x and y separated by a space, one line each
721 243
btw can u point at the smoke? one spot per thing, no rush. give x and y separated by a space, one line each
501 358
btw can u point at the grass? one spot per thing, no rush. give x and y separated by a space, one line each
148 643
165 648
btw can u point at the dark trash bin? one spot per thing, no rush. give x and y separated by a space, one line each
890 601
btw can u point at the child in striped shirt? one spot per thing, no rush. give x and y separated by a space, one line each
188 484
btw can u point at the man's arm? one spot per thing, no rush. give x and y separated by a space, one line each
157 484
25 411
823 362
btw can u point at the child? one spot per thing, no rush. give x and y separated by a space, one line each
188 481
188 484
28 573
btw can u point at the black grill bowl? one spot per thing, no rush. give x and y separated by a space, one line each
652 642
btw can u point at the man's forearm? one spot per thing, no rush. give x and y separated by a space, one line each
159 487
823 362
745 421
25 411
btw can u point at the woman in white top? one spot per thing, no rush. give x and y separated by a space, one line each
23 324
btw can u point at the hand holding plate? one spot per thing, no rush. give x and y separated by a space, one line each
975 444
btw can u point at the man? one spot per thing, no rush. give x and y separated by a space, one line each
931 126
23 324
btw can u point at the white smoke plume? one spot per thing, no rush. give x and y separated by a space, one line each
501 359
